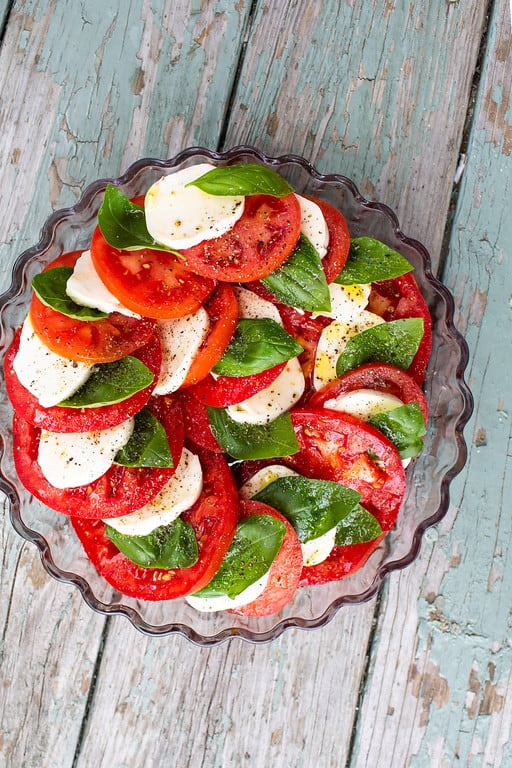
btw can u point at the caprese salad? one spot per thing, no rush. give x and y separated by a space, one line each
222 391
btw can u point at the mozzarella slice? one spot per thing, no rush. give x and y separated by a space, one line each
181 217
262 478
51 378
253 307
363 403
224 603
313 225
347 302
180 338
177 495
87 289
274 400
317 550
70 459
333 341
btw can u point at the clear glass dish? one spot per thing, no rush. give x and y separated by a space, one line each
429 476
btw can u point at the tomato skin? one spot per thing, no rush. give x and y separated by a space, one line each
401 298
223 312
197 425
119 491
257 244
229 390
285 571
382 377
337 446
89 341
214 518
61 419
339 239
152 283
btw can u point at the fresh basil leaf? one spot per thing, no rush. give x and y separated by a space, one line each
246 179
300 281
257 541
358 527
395 342
168 546
404 426
370 260
257 344
111 383
123 224
312 506
148 445
50 288
253 441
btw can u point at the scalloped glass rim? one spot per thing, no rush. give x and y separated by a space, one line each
430 475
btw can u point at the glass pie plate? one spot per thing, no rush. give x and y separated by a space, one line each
429 476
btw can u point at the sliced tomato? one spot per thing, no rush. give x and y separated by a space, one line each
61 419
198 431
258 243
223 312
89 341
214 518
339 239
382 377
307 330
119 491
285 571
337 446
229 390
152 283
400 298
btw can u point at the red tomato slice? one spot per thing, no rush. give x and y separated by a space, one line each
60 419
229 390
119 491
285 571
339 239
89 341
223 312
400 298
152 283
337 446
214 517
341 562
382 377
257 244
197 425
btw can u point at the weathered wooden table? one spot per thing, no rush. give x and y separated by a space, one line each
412 101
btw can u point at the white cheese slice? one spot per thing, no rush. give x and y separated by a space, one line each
181 217
347 302
317 550
262 478
87 289
180 338
333 341
224 603
177 495
70 459
271 402
313 225
253 307
51 378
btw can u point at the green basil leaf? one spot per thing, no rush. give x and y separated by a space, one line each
255 346
257 541
50 288
300 281
148 445
111 383
253 441
312 506
358 527
168 546
395 342
370 260
123 224
404 426
247 179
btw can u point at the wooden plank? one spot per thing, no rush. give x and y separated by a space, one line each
366 91
440 688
